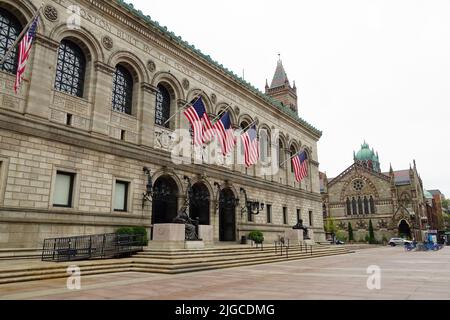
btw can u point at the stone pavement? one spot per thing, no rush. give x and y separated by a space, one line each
405 275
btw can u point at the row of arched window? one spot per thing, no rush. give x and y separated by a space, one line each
71 71
360 205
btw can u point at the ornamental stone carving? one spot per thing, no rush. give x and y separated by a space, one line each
107 42
151 66
50 13
213 98
186 84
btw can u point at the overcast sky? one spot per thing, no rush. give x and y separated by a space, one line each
365 69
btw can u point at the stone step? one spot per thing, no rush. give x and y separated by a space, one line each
146 262
20 253
172 256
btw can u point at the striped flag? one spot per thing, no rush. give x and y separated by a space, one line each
225 133
300 164
251 146
199 120
24 52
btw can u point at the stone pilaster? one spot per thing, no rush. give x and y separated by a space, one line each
42 77
147 117
101 113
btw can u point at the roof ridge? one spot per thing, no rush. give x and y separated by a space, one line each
249 86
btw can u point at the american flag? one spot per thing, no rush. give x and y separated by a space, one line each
300 164
251 147
225 133
199 120
24 52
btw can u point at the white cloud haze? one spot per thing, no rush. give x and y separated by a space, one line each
364 69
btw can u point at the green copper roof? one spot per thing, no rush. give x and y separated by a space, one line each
177 39
365 153
427 194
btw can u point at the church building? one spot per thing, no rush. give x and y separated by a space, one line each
394 201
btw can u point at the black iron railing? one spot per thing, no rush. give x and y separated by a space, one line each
102 246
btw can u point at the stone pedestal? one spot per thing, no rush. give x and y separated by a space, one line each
167 236
294 236
206 233
311 240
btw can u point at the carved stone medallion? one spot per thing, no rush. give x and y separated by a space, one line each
213 98
151 66
186 84
107 42
50 13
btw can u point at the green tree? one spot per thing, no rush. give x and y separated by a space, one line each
371 233
350 232
330 226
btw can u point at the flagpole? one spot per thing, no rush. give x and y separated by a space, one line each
181 109
254 122
5 56
216 118
290 158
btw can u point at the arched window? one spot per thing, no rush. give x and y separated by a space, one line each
244 125
366 205
372 205
162 107
349 207
292 152
354 207
10 29
122 95
70 69
281 153
360 206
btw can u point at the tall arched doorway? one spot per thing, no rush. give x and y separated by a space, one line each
404 230
199 204
227 216
165 206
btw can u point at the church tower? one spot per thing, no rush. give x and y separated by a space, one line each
281 90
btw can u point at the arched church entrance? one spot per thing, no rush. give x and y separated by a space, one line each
227 215
200 203
404 230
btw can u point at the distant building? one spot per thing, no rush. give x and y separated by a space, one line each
434 209
393 200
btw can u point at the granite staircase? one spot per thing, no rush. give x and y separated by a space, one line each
167 261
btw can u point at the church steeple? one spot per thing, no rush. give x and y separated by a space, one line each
280 88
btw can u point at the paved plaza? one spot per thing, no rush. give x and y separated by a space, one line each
404 275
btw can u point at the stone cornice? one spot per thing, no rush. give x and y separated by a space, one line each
46 42
51 131
171 43
149 88
103 67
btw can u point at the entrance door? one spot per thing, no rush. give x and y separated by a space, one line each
404 230
199 208
227 216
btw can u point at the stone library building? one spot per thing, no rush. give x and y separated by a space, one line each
87 143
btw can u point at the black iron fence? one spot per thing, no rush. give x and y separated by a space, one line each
102 246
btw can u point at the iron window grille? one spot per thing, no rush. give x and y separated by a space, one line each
10 29
122 95
162 110
70 69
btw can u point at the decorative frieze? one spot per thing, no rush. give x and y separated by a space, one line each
71 104
164 138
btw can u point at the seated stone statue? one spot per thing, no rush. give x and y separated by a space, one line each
300 226
190 224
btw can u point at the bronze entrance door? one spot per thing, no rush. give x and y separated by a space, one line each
227 216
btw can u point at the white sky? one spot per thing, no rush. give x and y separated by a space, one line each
365 69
